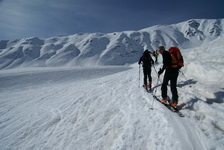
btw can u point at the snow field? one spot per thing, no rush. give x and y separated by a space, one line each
98 111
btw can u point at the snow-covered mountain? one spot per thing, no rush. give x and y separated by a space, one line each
117 48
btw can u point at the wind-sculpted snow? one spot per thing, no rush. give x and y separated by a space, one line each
96 49
104 108
38 76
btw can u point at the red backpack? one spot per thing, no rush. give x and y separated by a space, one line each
177 58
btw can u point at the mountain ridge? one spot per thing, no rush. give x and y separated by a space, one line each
117 48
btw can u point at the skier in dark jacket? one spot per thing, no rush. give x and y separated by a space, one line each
147 62
171 74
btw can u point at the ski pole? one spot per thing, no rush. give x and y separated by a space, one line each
157 84
139 75
155 90
155 70
156 73
185 77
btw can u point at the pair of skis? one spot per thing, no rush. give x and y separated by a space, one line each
171 108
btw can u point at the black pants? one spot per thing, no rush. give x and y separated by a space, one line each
147 74
170 75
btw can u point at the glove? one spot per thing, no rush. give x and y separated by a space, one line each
160 71
179 67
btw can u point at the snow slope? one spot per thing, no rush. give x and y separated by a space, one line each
95 113
96 49
105 108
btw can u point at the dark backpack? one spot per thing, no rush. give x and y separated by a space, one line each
177 58
147 59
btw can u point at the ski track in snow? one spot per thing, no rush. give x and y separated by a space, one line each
98 109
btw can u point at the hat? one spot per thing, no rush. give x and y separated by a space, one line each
161 48
146 52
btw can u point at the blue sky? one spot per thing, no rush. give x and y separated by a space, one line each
47 18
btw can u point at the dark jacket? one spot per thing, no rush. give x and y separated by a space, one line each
146 59
167 60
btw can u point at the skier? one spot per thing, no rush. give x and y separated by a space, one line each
147 61
171 74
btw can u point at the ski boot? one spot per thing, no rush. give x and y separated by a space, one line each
150 86
174 105
164 101
145 86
